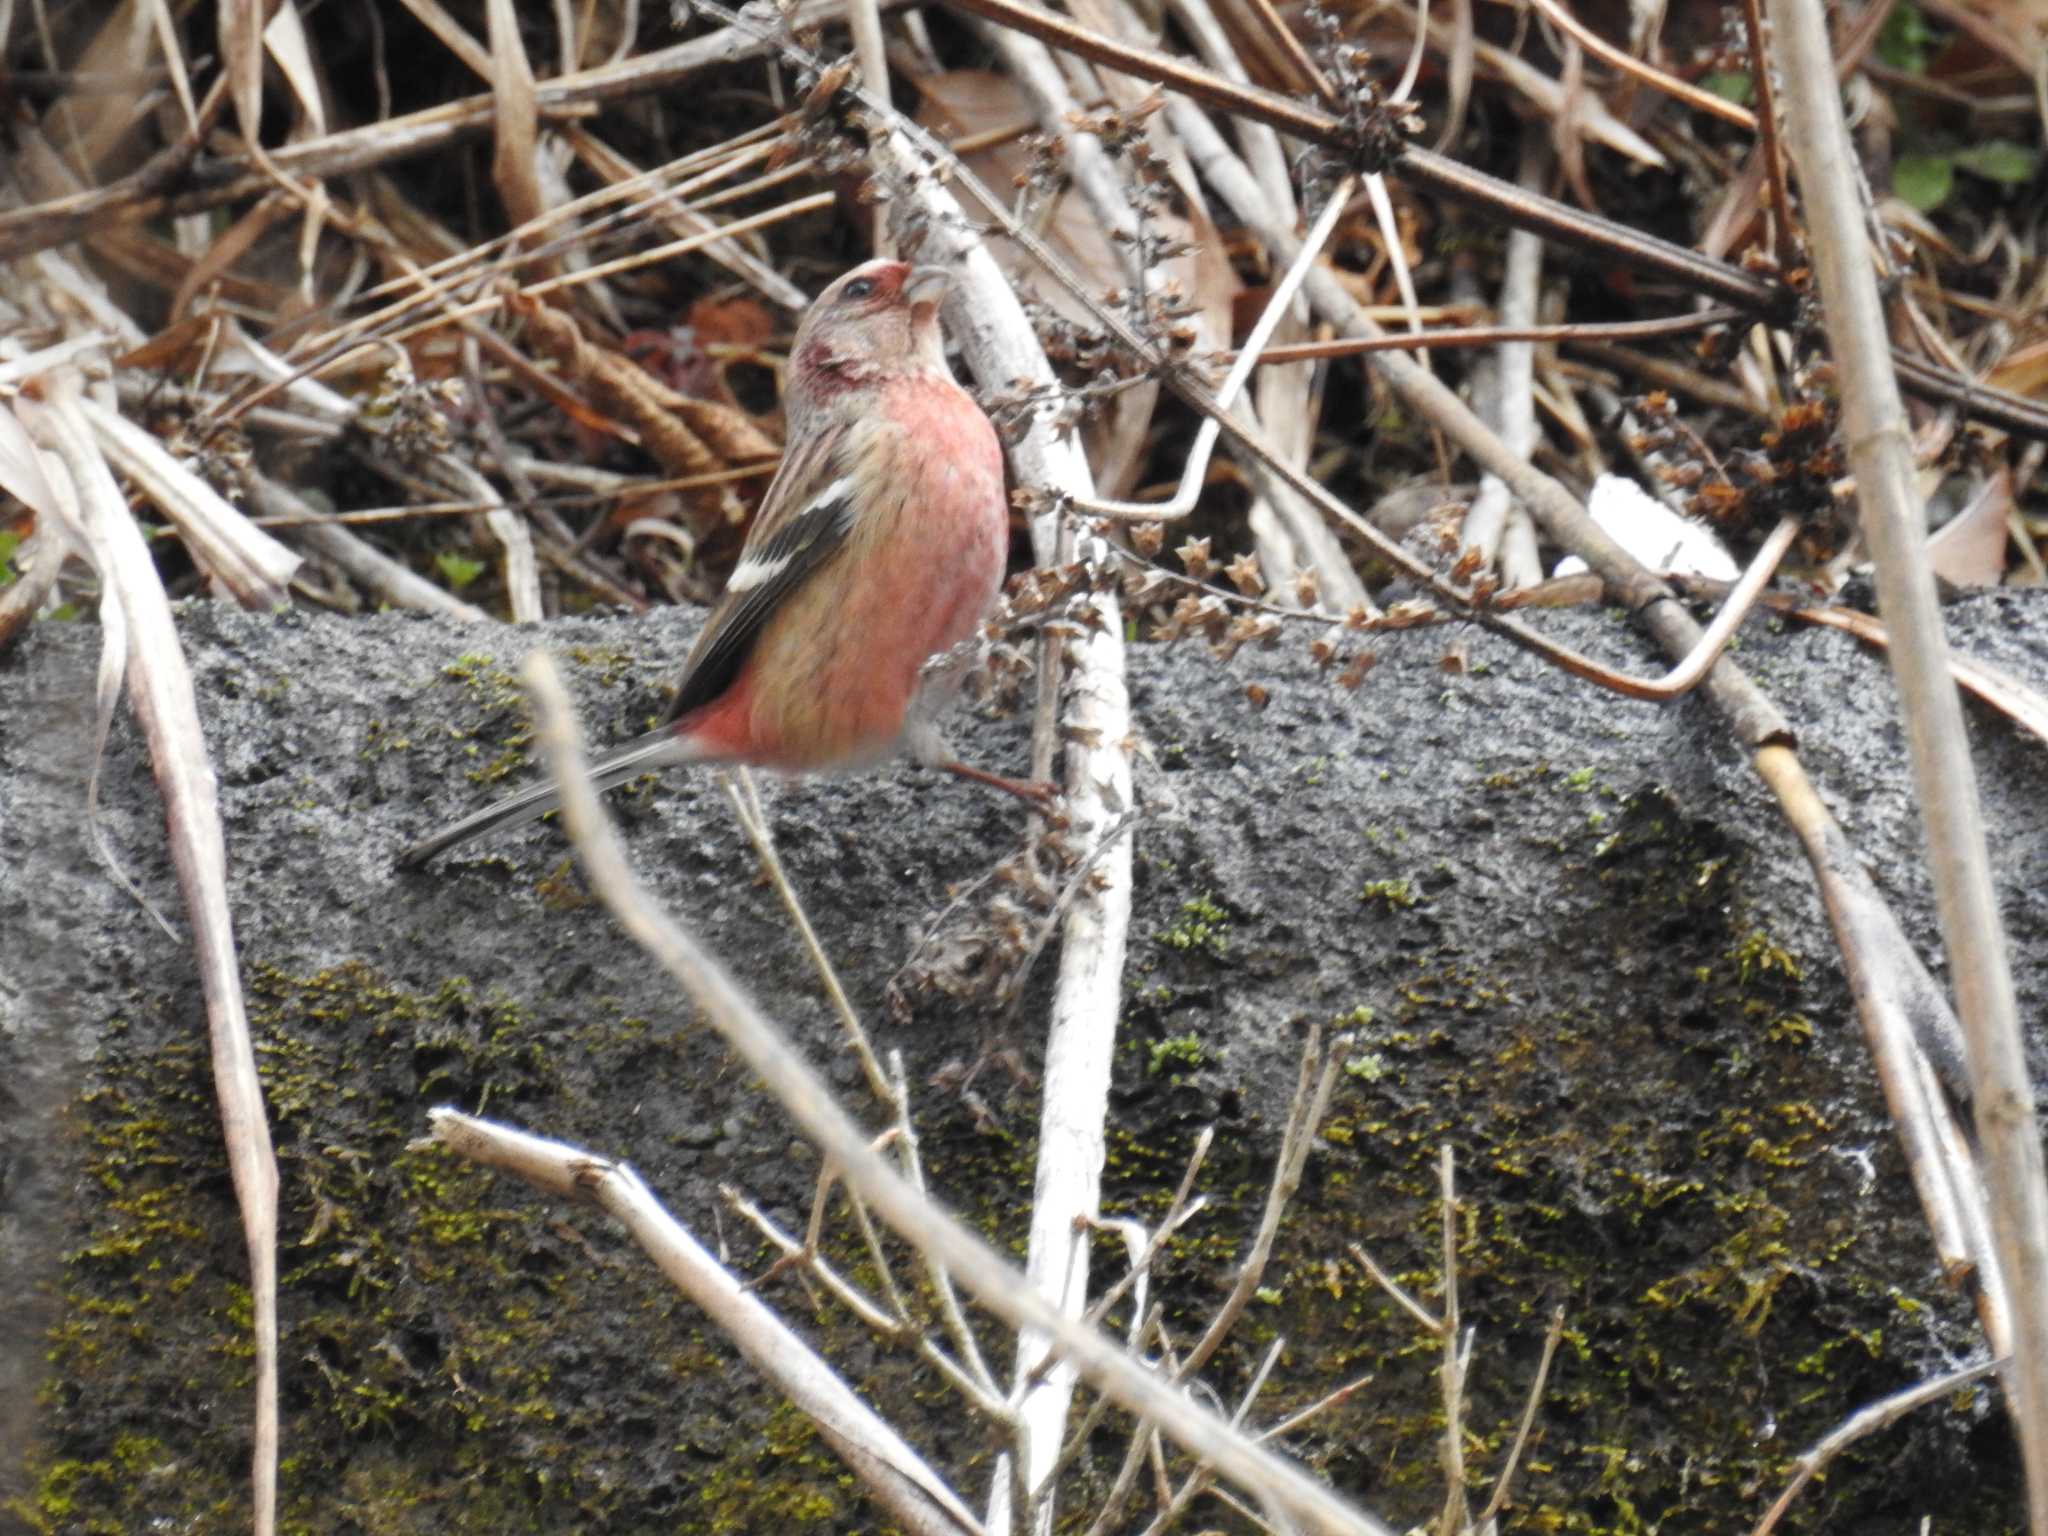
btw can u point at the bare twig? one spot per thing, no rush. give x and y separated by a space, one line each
161 693
1782 244
1696 97
1880 454
1320 1065
807 1099
1863 1423
745 796
1457 1345
897 1476
1386 1282
1504 334
1504 1484
1512 408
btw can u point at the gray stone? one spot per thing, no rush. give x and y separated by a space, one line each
1570 933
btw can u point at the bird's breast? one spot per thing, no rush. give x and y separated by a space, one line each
836 671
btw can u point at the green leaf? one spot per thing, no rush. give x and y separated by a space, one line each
1924 180
1906 41
1999 160
1729 85
458 570
8 544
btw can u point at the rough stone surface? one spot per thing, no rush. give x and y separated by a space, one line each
1570 933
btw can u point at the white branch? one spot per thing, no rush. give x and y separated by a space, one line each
893 1472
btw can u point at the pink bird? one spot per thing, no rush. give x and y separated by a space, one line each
880 544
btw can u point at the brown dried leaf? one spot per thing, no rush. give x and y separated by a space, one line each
1969 549
515 118
239 24
1354 674
666 423
285 37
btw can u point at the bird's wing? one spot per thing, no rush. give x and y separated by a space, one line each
804 518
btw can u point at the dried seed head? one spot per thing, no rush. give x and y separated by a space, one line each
1354 673
1244 574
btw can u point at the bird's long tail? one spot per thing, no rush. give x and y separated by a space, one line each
657 749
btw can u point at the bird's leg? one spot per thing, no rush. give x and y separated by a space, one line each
928 745
1034 792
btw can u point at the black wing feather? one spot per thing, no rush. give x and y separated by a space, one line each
787 556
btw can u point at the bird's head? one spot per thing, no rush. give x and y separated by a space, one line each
877 322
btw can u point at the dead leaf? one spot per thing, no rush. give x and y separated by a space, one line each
739 321
285 37
686 437
515 118
1969 549
240 23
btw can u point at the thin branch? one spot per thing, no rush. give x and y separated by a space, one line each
1880 454
1431 1323
745 796
1865 1422
1496 335
813 1263
898 1477
1457 1512
807 1099
1505 1483
1317 1076
1783 245
1696 97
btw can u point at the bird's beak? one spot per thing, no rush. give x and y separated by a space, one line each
927 285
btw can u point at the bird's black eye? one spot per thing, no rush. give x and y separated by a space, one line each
859 288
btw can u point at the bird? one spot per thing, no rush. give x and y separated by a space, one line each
879 545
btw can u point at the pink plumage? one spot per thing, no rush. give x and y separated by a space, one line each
880 544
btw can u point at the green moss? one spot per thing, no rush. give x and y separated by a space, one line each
1368 1068
497 692
1396 895
1757 955
1699 1243
1175 1053
458 1354
1203 927
446 1329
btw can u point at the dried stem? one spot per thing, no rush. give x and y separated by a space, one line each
807 1099
1865 1422
898 1477
1880 455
